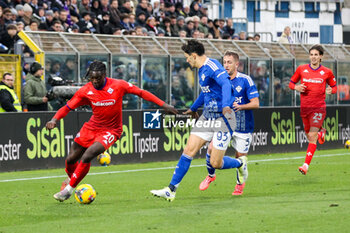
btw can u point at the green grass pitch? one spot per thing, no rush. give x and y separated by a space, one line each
277 198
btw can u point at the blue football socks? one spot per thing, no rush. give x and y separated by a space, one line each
211 170
180 171
228 162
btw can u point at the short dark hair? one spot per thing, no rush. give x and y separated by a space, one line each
11 27
226 36
7 10
59 11
97 66
124 15
178 5
193 46
3 76
317 47
33 21
232 53
56 22
85 14
166 20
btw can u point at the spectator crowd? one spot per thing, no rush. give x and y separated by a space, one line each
117 17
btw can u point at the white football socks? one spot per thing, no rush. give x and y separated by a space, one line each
69 189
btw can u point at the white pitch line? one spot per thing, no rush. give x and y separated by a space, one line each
160 168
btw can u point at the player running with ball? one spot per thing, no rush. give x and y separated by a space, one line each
216 96
313 78
105 126
246 98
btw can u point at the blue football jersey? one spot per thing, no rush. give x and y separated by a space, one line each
216 89
244 89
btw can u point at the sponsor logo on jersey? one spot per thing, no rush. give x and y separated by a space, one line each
315 80
322 72
90 93
306 71
110 90
151 120
205 89
203 77
239 88
104 103
238 99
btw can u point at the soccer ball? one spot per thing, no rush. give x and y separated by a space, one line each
347 144
85 194
104 159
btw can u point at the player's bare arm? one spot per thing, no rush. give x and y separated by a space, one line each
253 104
146 95
191 113
61 113
300 88
193 110
169 108
51 124
226 110
331 90
228 113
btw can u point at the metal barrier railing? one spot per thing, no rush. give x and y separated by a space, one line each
157 64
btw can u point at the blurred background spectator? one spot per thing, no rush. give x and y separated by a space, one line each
257 37
285 37
163 18
34 92
8 99
8 38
